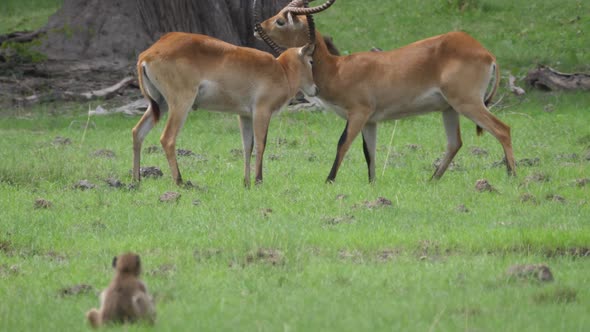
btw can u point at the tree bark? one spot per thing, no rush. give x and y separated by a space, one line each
549 79
121 29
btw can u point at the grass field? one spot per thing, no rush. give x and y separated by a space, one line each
296 254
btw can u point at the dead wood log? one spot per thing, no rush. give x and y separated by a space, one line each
513 87
105 93
20 36
137 107
549 79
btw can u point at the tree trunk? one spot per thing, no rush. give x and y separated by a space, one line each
120 29
549 79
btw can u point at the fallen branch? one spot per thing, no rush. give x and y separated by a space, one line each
106 93
20 36
137 107
549 79
513 88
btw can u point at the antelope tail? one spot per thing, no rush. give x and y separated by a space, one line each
489 98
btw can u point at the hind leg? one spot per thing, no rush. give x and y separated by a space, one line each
140 131
176 118
454 143
247 131
369 132
478 113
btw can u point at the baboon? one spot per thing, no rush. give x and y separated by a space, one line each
126 298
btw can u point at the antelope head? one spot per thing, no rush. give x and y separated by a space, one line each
293 26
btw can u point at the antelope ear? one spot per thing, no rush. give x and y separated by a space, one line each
308 49
114 262
290 18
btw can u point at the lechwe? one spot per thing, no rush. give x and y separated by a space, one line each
449 73
183 69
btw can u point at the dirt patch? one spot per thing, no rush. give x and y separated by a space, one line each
557 295
582 182
104 153
170 196
266 255
84 185
395 160
266 212
185 153
114 182
355 256
477 151
453 166
6 270
430 249
525 162
341 197
61 141
150 172
205 254
281 141
536 178
584 140
55 256
413 147
311 157
41 203
153 149
555 198
577 252
163 271
461 208
468 311
528 198
482 185
537 272
236 153
387 254
567 157
75 290
6 247
188 185
528 162
378 203
343 219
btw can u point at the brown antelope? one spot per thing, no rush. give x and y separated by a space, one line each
449 73
183 69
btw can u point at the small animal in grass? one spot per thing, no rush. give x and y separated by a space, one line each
126 299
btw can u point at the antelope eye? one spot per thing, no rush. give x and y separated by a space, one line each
311 62
280 22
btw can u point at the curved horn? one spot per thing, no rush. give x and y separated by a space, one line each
310 25
308 11
295 3
277 50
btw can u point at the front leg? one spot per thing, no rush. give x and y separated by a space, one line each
247 131
177 113
262 115
369 147
357 119
140 131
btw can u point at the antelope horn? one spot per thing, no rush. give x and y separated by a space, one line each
277 50
308 11
310 25
295 3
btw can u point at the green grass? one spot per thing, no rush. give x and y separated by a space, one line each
520 33
418 265
444 268
21 15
